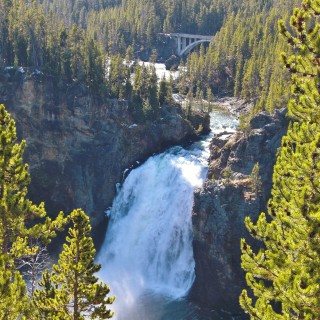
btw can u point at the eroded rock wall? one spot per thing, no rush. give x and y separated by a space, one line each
221 206
78 145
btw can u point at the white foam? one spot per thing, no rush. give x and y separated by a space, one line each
148 246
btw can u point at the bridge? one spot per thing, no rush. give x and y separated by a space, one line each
186 42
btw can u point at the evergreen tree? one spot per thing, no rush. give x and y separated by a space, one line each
116 75
189 104
16 215
16 210
255 179
152 97
285 274
228 176
93 66
14 302
129 54
72 291
163 90
210 96
154 56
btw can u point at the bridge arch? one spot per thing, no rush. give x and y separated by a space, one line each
192 45
186 42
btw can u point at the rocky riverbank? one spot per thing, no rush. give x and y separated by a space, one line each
78 145
225 200
234 105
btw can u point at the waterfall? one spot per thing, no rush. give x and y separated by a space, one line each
147 253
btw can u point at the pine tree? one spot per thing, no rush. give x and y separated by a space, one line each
153 94
93 65
285 274
255 179
163 89
116 75
210 96
16 214
153 56
72 291
129 54
14 302
16 210
228 176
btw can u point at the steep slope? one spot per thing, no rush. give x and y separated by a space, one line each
222 204
78 146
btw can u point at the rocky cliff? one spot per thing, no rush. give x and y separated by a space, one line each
78 145
222 204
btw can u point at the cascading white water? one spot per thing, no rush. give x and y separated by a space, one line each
147 253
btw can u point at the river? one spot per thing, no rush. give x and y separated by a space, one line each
161 70
147 256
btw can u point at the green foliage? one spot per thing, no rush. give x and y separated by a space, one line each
145 19
39 33
284 275
154 56
255 179
16 213
32 38
227 174
70 39
244 124
151 105
165 91
72 291
13 293
119 75
146 99
24 230
209 95
129 54
243 58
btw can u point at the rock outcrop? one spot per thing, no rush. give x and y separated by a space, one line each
221 206
78 146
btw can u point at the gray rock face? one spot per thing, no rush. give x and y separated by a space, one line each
218 221
260 120
220 209
78 146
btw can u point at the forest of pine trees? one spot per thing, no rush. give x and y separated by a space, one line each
244 58
78 40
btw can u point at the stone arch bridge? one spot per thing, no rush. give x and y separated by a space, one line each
186 42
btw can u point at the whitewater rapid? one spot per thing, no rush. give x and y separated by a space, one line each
147 255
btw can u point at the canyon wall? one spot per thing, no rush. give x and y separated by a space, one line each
221 206
79 145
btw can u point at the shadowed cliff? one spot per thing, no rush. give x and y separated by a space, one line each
221 206
79 145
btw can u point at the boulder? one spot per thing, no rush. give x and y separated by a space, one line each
260 120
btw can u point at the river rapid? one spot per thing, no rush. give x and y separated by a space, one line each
147 255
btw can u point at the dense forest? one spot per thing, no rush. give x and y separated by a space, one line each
34 33
73 40
244 58
83 41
